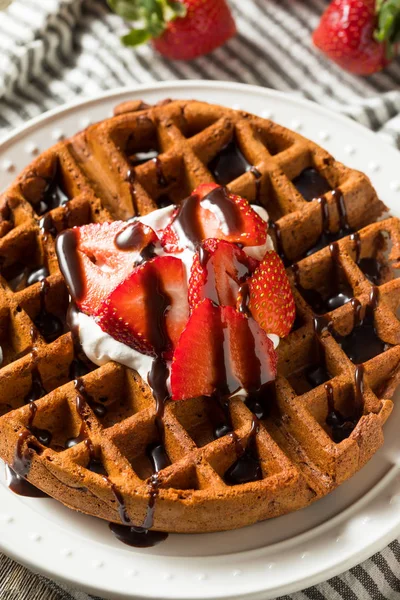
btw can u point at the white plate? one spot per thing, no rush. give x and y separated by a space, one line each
268 559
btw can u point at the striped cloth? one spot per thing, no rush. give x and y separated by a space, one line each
52 51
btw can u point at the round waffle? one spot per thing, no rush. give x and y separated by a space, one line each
88 436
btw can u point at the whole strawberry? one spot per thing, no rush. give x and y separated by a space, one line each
359 35
181 30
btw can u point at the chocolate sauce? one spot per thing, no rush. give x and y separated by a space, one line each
70 264
188 214
23 276
78 367
359 389
82 398
278 242
328 237
158 457
311 184
134 536
157 379
372 270
49 325
52 197
370 266
95 463
363 343
163 201
37 389
140 537
355 237
343 426
316 375
47 226
312 297
261 402
257 181
99 409
21 486
343 292
21 465
247 467
228 164
133 237
162 182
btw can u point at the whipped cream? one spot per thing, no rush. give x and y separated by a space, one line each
100 347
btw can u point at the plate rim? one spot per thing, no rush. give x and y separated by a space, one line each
68 108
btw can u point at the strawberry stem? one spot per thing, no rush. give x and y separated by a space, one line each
150 17
388 25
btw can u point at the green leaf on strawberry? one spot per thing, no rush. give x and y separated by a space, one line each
180 30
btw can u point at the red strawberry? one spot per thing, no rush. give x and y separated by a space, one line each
359 35
181 29
218 274
102 263
149 310
221 350
271 301
211 211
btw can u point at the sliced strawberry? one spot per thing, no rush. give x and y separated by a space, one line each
221 350
252 353
149 310
211 211
194 368
101 264
271 301
217 271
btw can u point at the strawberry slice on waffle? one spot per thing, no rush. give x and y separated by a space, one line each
211 211
221 351
149 309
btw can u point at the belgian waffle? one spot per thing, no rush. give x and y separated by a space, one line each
321 423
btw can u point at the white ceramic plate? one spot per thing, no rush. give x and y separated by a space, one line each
262 561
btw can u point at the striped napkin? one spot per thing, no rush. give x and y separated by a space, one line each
53 51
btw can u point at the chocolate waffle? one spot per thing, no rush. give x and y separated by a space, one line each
88 436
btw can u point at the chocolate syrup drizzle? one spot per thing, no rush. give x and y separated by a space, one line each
228 164
21 465
53 196
78 367
342 290
370 266
311 184
247 466
133 237
49 325
23 276
342 426
328 237
257 181
187 215
363 343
